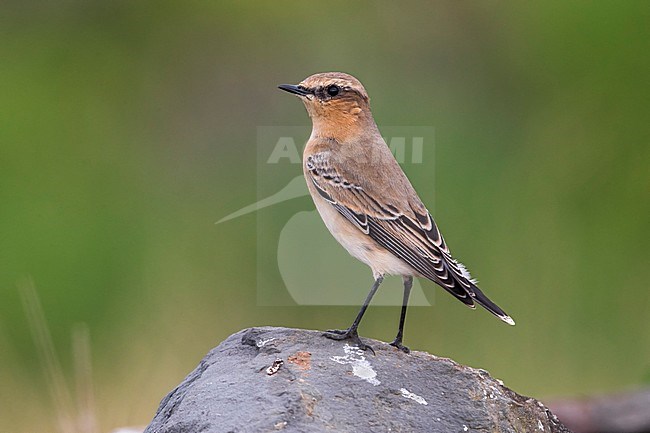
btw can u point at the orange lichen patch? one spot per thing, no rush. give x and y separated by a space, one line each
301 359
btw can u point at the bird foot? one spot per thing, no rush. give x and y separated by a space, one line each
347 334
398 344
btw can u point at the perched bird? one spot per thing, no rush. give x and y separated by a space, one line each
367 202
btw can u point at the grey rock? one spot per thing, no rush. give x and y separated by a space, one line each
290 380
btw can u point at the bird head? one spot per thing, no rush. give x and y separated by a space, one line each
335 101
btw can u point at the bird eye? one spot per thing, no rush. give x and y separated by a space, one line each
333 90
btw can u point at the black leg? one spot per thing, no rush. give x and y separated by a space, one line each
408 284
351 332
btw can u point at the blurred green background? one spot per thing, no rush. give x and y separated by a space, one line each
128 128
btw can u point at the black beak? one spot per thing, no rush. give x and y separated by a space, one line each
296 90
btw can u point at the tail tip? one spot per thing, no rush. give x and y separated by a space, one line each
508 320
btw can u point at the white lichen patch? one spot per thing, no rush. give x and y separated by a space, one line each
262 343
275 367
492 395
407 394
360 365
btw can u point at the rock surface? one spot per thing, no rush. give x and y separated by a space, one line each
291 380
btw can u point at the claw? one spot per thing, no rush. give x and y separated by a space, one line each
365 347
337 334
336 331
398 344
